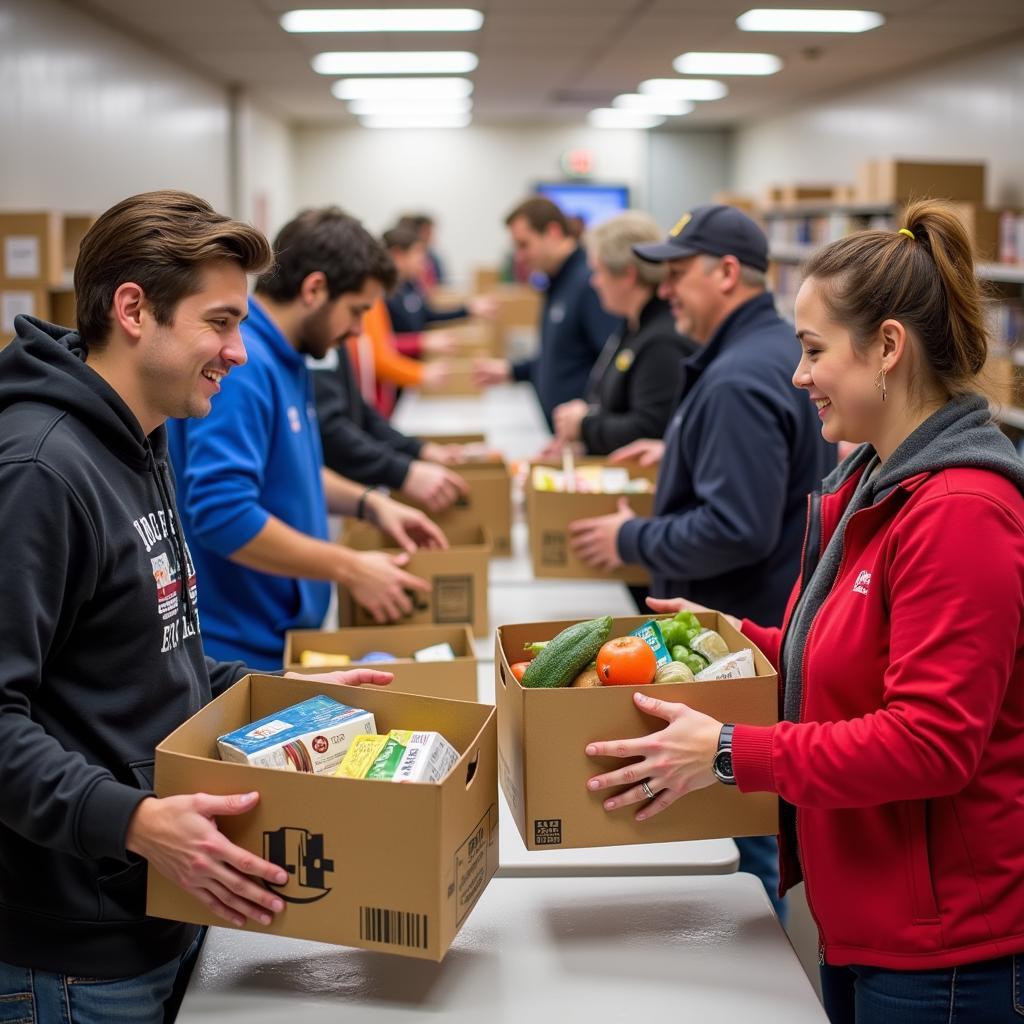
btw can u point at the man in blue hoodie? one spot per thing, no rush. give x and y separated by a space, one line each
100 648
740 455
254 490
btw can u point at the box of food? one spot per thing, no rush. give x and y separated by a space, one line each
458 577
551 507
392 868
892 181
543 734
345 648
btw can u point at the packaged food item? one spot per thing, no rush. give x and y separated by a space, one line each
673 672
372 656
650 633
317 659
709 644
409 756
589 480
309 737
436 652
360 756
738 665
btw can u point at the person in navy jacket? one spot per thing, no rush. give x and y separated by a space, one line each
899 752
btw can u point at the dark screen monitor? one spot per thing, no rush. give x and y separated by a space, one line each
593 203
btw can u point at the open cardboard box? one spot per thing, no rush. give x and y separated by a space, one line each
455 680
549 514
458 383
458 577
489 502
542 735
394 867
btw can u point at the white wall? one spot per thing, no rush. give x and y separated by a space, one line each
88 116
265 189
965 109
468 179
685 170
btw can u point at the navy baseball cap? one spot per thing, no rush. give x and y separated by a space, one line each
714 230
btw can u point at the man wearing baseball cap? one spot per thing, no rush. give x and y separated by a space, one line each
740 455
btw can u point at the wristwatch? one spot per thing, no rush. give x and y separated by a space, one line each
721 764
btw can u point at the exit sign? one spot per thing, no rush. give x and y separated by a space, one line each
577 163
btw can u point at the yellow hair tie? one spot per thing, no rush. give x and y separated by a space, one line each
907 232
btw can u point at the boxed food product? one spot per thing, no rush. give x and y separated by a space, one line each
454 678
409 756
550 511
458 577
308 737
396 869
543 733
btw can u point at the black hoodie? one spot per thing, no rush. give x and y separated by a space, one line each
100 658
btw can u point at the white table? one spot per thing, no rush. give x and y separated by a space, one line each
537 950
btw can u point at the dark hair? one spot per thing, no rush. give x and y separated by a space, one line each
417 221
402 237
926 282
539 213
160 241
330 241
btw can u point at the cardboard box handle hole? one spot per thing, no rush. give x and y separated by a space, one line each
471 768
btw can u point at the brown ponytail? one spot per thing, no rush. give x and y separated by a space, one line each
926 282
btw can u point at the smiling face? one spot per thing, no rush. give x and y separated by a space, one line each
693 293
181 364
838 377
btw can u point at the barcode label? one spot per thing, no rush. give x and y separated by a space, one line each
393 927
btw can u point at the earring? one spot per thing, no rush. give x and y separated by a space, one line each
880 382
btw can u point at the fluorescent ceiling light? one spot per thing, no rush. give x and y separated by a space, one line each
454 19
652 104
726 64
412 121
392 62
769 19
611 117
684 88
415 105
376 88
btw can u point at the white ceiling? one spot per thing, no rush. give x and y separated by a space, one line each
552 60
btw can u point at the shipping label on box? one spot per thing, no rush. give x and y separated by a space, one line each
354 876
543 733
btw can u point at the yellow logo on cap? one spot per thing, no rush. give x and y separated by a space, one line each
681 223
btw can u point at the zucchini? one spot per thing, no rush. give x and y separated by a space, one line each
561 659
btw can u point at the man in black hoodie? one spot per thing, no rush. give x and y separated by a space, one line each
100 652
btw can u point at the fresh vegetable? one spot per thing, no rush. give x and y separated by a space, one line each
566 655
518 669
693 661
680 629
673 672
709 644
626 661
535 648
587 679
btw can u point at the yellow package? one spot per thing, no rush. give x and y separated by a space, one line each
360 756
317 659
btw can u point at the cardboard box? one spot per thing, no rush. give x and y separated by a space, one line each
378 865
542 735
17 299
997 380
549 514
40 247
787 195
62 307
982 226
459 382
458 577
900 181
453 680
473 338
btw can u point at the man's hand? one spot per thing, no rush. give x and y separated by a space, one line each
178 836
410 528
568 417
439 343
433 486
487 372
485 306
595 541
646 452
442 454
435 375
378 583
346 677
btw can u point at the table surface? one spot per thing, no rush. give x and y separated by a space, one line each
626 949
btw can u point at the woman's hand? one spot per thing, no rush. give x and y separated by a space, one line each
676 760
671 605
346 677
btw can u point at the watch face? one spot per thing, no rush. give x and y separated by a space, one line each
722 765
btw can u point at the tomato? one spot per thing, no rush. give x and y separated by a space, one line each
626 661
518 668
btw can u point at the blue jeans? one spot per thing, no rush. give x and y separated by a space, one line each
760 856
28 996
986 992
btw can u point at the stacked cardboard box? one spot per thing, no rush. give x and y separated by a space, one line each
893 181
393 868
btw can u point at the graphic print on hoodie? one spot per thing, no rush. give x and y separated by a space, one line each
100 658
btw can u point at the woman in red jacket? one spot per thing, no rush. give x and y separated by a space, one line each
899 757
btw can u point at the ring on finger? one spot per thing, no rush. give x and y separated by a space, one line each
646 787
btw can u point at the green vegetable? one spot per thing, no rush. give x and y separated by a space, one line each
693 661
562 658
536 647
673 672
